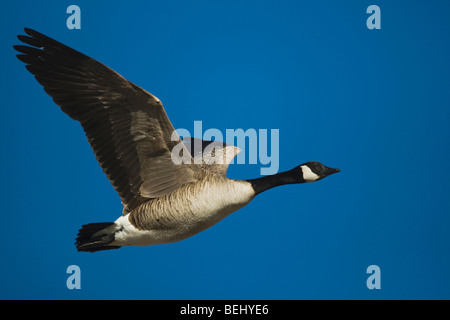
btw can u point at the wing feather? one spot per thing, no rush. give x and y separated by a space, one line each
127 127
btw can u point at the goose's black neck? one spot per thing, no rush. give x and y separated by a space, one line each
288 177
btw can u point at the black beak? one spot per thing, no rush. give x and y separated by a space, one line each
327 171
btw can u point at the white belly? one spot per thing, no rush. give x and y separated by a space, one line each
199 210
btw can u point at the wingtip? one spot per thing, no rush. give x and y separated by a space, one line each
29 31
30 35
34 34
23 57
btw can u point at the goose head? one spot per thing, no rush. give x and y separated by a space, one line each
314 171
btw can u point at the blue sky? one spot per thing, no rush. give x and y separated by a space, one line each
375 103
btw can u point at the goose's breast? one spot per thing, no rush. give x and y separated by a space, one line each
216 201
185 212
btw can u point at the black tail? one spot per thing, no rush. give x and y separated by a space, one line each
88 240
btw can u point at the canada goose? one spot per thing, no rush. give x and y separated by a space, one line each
132 138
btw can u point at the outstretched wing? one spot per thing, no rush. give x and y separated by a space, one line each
126 126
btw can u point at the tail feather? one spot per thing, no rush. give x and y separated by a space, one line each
94 237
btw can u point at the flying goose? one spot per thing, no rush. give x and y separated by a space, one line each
132 138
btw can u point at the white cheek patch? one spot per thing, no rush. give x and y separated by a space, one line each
308 175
